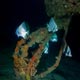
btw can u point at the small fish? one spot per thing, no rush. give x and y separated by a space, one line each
67 51
46 48
54 38
22 30
52 26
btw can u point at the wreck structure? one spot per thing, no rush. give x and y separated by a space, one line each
36 43
62 11
25 67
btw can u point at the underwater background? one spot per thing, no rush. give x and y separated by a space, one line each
11 16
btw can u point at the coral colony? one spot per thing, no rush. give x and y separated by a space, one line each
25 67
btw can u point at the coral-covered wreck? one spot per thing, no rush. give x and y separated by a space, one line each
26 67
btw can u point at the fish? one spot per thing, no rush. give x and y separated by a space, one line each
52 26
23 30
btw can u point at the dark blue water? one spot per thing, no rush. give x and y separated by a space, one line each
16 11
